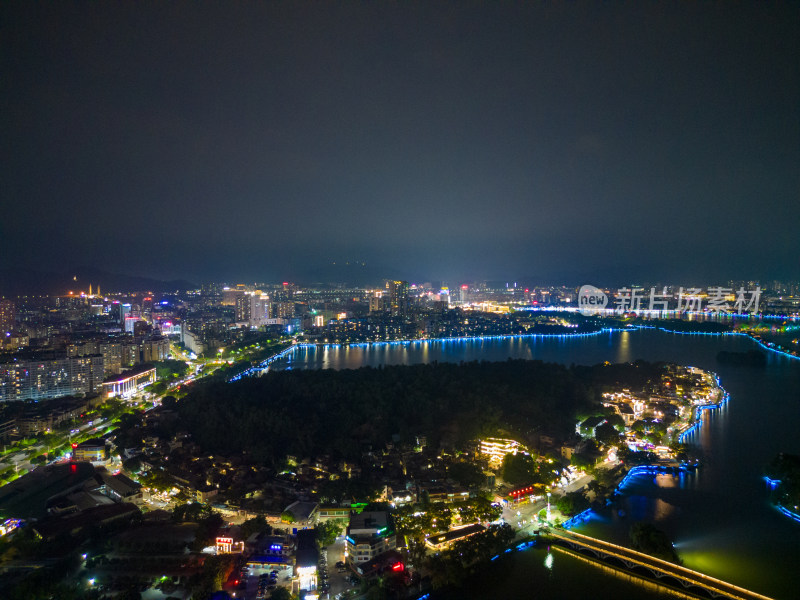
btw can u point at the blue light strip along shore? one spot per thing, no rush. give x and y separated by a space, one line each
699 411
577 519
265 364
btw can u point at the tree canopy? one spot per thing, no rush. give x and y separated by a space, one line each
647 538
342 412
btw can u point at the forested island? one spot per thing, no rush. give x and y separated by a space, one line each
342 413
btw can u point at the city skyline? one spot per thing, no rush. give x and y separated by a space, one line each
579 143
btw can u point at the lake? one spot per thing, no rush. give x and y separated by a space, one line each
719 518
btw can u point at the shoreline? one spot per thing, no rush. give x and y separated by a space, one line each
264 365
698 412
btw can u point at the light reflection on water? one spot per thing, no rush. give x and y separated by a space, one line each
719 517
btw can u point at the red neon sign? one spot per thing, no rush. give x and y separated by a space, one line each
522 491
397 566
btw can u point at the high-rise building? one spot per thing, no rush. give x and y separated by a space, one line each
124 313
377 302
259 309
130 324
211 294
7 316
112 357
37 379
242 308
155 349
230 296
283 310
398 298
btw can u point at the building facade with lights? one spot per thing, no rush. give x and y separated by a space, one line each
39 379
369 535
127 385
497 448
93 450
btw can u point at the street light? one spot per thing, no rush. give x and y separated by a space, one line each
548 506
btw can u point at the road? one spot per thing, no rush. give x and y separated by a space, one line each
523 517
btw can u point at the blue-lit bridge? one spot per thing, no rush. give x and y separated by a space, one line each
667 573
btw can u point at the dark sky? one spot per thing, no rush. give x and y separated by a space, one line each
264 141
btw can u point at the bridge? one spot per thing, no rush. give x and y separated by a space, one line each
665 572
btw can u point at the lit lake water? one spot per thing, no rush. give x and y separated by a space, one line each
720 517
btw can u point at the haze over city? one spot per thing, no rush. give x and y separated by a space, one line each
266 142
399 300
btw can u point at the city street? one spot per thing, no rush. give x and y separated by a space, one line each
339 582
523 516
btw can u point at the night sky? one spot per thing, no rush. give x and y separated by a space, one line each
266 141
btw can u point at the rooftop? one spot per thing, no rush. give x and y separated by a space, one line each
455 534
368 523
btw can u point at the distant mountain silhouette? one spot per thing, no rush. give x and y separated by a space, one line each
18 282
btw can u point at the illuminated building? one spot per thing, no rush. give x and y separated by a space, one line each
38 379
444 540
497 448
271 551
128 384
306 559
130 323
14 341
111 350
7 317
191 340
259 310
398 298
226 545
242 304
93 450
9 525
124 313
377 302
283 310
230 296
369 535
326 513
155 349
